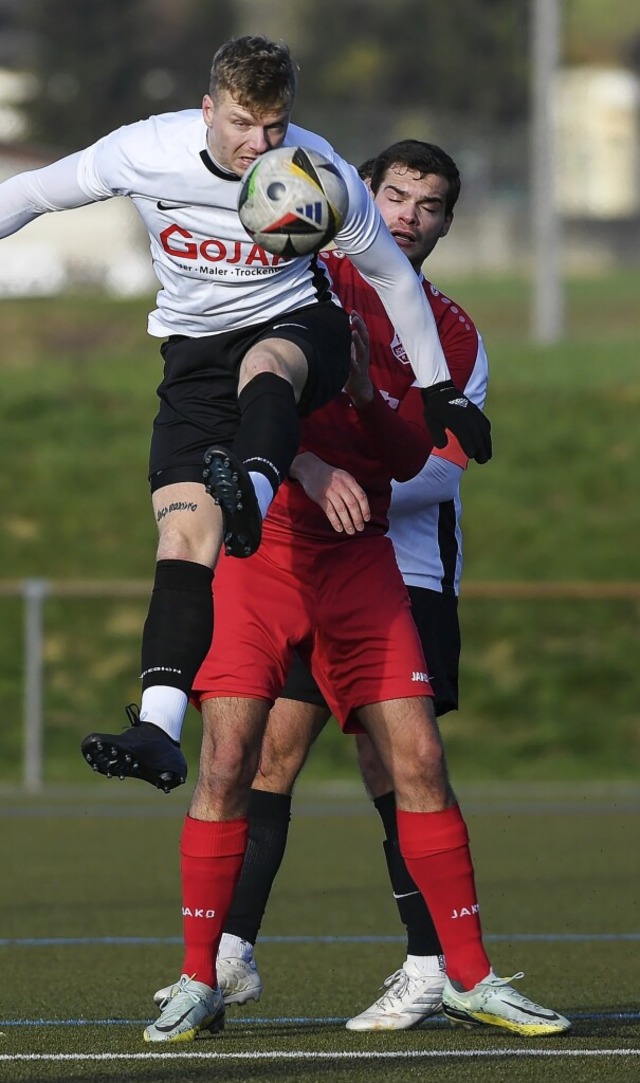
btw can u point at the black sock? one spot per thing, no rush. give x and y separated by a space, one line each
422 938
269 431
269 816
179 625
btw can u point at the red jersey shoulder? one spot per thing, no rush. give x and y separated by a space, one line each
448 313
457 332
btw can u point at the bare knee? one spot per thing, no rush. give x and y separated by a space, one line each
407 739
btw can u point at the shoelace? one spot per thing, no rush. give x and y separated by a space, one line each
176 990
133 714
507 981
396 985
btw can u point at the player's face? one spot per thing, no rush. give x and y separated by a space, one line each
237 136
413 208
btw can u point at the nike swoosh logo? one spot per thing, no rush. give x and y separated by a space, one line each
537 1015
174 1023
406 895
170 206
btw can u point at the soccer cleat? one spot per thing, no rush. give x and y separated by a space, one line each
190 1007
410 998
238 981
494 1003
228 482
144 751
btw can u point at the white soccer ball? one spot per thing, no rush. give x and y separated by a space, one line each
292 201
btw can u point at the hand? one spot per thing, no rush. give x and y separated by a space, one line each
359 387
447 408
338 494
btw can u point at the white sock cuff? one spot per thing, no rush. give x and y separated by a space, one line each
166 707
428 966
234 947
264 490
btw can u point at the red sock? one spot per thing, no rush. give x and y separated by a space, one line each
211 856
435 847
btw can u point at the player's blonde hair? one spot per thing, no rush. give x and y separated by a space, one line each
258 73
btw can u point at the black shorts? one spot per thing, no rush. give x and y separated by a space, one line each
199 392
436 618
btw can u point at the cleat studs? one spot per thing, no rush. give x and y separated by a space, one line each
94 766
99 746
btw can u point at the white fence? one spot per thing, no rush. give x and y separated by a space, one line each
35 592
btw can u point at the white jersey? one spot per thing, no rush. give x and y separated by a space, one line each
425 512
213 277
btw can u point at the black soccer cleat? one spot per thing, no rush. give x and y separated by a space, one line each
144 751
227 481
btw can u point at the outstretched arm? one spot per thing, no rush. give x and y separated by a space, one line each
28 195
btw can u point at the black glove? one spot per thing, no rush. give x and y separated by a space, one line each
447 408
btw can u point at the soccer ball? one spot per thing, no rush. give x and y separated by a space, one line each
292 201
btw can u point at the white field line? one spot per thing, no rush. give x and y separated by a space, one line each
278 1054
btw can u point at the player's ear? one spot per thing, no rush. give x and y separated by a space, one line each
446 225
208 109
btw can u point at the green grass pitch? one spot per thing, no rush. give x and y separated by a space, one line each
90 928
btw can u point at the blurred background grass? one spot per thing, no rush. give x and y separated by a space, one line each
550 688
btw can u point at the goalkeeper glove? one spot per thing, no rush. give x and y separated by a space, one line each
447 408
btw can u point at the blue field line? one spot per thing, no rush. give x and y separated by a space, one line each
291 1020
128 941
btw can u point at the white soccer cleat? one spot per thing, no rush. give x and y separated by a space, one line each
493 1002
410 998
190 1007
238 981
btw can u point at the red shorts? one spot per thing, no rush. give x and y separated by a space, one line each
342 605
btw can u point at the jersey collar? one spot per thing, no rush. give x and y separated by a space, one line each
214 168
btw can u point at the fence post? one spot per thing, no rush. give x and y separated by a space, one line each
34 591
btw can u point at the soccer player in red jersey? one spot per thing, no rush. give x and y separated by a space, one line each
338 597
416 187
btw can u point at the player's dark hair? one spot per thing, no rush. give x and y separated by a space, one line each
365 170
422 158
260 74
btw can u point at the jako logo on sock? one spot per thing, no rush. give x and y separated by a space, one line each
187 912
465 913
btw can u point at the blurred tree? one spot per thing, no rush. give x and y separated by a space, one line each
101 65
452 56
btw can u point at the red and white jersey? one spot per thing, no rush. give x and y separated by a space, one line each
424 513
213 277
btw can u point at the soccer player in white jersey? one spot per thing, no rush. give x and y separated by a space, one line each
251 343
